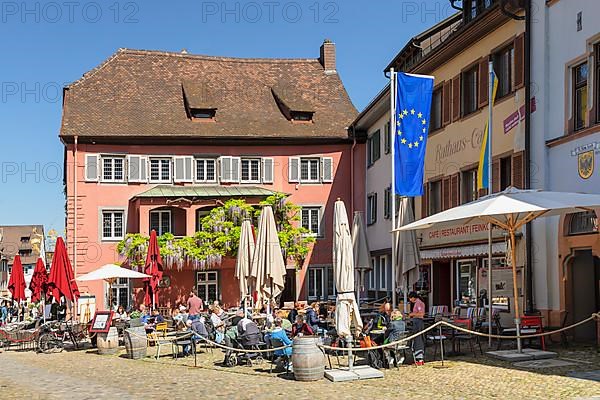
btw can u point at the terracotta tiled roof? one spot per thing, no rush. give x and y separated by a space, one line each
141 93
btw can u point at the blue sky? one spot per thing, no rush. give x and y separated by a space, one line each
47 44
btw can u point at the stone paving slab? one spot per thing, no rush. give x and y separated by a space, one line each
552 363
589 375
526 355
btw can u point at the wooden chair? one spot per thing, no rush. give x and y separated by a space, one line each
162 328
276 342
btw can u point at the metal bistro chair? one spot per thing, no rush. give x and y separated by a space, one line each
275 342
158 341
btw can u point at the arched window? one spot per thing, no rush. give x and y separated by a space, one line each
582 223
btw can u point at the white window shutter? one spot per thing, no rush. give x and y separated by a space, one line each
189 169
294 169
143 169
183 169
236 163
327 169
134 168
92 170
225 164
267 170
179 169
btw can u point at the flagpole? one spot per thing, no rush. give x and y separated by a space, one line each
489 139
392 132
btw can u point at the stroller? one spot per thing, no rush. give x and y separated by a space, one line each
249 340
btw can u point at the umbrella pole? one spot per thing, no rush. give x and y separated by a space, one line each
489 284
515 289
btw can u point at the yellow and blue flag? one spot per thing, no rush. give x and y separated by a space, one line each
483 169
413 108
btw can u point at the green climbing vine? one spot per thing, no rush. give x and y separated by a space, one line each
219 236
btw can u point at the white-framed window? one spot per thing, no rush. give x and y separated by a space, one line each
206 170
160 170
160 221
311 220
113 224
383 264
250 170
121 293
373 148
113 169
373 274
207 284
320 283
371 208
310 170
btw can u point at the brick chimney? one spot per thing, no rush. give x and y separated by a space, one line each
327 57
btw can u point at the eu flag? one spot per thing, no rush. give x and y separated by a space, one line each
413 108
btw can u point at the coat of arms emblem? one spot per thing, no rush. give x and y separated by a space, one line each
585 164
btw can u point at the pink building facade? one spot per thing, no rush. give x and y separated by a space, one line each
155 140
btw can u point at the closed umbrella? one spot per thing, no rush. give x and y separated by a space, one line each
154 268
360 246
244 258
407 251
267 271
39 281
511 210
346 310
16 283
110 273
61 281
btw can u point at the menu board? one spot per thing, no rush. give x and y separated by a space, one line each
101 322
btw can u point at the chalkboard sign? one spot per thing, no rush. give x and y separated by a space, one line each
101 322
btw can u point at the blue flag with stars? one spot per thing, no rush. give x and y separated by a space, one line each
413 108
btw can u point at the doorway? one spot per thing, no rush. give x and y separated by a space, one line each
585 293
442 284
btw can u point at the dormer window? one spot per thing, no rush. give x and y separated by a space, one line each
301 116
203 113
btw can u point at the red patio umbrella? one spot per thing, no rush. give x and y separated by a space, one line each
61 280
39 281
16 283
154 268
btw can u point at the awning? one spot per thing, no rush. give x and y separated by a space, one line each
462 251
205 191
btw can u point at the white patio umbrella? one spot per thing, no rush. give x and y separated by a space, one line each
110 273
346 310
267 271
511 210
360 246
408 257
244 258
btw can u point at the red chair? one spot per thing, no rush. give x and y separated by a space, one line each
532 324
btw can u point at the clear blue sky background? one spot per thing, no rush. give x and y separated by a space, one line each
48 44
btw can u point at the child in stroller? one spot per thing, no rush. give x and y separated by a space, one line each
245 336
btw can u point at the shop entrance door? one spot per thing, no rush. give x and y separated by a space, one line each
585 273
441 284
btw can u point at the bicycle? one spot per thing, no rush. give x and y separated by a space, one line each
55 334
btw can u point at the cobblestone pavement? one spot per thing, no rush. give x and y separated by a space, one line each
86 375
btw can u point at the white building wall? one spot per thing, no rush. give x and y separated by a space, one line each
556 43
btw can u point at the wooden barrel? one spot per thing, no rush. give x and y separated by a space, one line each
135 342
307 359
108 343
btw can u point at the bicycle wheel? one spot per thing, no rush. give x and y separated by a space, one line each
48 343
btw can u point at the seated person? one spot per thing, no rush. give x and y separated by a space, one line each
383 318
239 315
198 332
301 327
394 332
217 323
285 323
279 333
150 321
312 316
121 314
